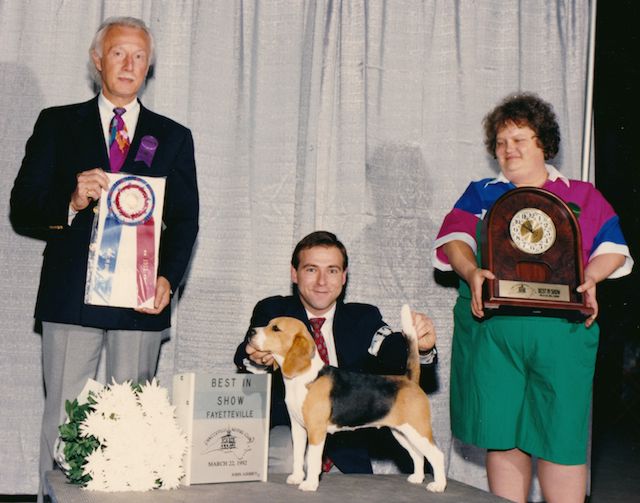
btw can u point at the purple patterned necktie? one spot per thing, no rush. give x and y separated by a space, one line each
118 140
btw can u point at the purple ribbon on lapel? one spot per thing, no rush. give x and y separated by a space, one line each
147 149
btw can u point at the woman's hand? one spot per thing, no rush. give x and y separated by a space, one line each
588 288
598 268
463 262
476 279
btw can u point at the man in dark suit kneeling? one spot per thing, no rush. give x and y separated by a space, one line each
55 196
355 336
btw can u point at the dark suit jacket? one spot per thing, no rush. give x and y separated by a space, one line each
354 325
65 141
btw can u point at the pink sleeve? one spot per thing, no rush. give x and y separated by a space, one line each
457 225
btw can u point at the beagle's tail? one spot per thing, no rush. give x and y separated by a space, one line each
410 334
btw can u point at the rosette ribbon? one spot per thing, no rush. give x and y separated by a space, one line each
130 201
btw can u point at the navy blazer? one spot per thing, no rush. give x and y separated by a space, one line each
354 326
67 140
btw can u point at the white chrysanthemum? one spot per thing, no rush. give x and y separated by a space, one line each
140 442
116 401
97 467
155 399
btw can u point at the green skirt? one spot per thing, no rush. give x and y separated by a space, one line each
522 382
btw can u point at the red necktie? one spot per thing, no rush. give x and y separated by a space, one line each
118 140
316 325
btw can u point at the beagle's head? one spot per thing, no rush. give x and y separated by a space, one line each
290 343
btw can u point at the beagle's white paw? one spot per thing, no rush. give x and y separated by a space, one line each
415 478
437 487
295 478
308 485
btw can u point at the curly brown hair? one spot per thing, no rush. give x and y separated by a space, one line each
525 109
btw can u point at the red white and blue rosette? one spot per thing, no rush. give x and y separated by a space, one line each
130 202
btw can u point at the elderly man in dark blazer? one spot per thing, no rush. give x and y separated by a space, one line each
55 196
356 337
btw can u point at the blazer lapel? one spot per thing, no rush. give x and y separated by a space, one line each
341 329
298 311
90 149
146 126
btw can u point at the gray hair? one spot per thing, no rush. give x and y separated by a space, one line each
98 40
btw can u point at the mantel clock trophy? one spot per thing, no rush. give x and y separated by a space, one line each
531 242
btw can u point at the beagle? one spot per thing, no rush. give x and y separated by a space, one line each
323 399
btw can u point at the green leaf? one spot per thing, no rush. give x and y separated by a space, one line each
77 448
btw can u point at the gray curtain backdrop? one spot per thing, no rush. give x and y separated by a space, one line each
360 117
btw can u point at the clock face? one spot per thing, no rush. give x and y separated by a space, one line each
532 231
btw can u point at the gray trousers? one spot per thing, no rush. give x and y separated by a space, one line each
71 355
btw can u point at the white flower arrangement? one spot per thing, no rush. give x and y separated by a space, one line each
124 437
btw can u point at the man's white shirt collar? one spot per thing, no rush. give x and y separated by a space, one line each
328 316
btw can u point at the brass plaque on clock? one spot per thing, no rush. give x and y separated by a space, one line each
531 242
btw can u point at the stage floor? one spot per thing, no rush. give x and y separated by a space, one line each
334 488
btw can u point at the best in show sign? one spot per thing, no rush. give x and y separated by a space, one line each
226 420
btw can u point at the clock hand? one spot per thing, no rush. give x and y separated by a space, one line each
528 226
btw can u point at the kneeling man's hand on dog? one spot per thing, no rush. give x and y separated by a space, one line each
259 357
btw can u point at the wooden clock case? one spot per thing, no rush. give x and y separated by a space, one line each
533 284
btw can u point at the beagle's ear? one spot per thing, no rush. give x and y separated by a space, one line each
298 358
